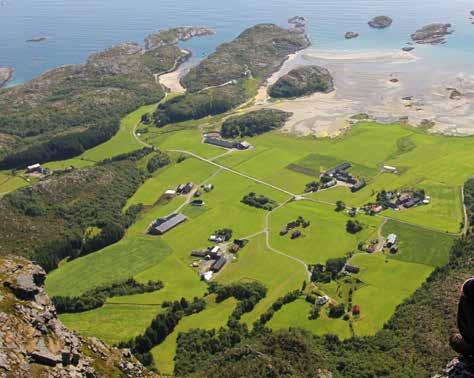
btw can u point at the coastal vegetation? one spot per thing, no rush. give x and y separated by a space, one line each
253 123
88 228
50 220
68 110
221 81
302 81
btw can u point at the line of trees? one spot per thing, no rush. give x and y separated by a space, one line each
161 327
247 293
277 305
96 298
260 202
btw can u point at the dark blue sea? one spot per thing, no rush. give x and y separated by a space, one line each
76 28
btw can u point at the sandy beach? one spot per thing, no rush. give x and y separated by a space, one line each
388 85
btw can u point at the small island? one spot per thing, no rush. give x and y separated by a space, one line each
432 34
6 74
380 22
351 35
173 36
37 39
302 81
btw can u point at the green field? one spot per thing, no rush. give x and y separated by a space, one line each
437 164
325 238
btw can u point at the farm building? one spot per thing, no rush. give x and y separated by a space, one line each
389 169
218 264
220 142
163 225
391 240
37 168
215 249
197 202
358 186
244 145
216 238
208 187
339 169
351 269
322 300
241 242
329 184
185 188
207 276
170 193
296 234
199 254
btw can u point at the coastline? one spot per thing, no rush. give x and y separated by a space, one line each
6 74
388 85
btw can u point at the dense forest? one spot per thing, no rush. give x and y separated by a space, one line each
71 213
417 334
254 123
70 109
302 81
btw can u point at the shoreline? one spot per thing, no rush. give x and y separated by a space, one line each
390 86
6 75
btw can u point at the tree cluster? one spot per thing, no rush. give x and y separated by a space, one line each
254 123
353 226
261 202
158 161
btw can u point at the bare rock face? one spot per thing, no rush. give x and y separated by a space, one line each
458 368
433 34
380 22
351 35
6 74
33 342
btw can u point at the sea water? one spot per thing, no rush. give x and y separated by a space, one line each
76 28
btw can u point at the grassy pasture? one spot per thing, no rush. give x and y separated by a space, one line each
296 315
257 263
417 245
387 282
325 238
437 164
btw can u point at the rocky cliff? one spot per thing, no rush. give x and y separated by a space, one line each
34 343
458 368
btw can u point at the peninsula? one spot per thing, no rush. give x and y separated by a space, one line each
230 76
79 106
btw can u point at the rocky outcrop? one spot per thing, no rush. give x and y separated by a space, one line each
303 81
380 22
37 39
298 23
6 74
33 342
458 368
350 35
433 34
175 35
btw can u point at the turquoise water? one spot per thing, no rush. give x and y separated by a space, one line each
76 28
